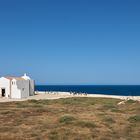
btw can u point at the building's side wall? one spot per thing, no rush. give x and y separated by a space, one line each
5 83
23 86
32 87
25 91
20 89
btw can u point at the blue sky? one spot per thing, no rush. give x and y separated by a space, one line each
71 41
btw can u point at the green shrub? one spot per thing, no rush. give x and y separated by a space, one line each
134 119
66 119
115 110
88 124
130 101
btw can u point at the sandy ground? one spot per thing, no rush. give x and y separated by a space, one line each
58 95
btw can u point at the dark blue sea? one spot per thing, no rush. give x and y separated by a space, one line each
130 90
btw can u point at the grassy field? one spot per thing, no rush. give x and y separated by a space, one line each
70 119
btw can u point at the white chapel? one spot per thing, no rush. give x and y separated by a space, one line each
16 87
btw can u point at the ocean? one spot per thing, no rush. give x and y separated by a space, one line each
125 90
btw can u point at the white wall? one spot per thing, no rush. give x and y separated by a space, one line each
20 89
5 83
24 86
32 86
15 92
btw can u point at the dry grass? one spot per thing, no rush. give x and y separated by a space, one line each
70 119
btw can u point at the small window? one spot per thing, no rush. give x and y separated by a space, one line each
13 82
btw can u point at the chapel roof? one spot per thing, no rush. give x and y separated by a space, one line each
16 78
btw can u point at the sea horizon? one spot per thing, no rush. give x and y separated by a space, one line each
85 85
124 90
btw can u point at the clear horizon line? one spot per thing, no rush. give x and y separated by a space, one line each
87 85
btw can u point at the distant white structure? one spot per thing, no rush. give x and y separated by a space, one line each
16 87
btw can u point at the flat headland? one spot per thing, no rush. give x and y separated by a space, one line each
73 117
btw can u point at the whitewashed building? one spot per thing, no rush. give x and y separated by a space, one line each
16 87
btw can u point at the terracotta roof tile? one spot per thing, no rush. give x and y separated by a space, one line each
17 78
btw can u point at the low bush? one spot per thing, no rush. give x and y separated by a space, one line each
88 124
134 119
130 101
66 119
116 110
